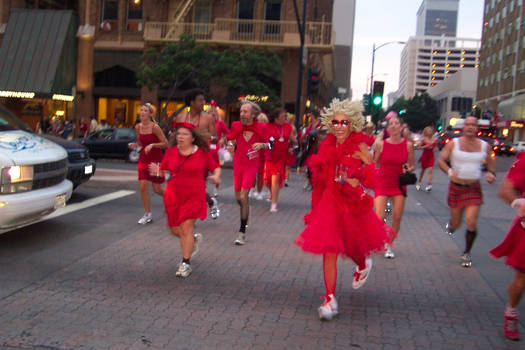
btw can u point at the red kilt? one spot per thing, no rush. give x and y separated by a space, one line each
461 196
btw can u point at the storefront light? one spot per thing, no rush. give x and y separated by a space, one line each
66 98
17 94
60 113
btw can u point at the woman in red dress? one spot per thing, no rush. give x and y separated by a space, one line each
342 221
275 164
394 156
188 163
428 145
151 141
512 190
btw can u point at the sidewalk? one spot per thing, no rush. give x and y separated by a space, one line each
263 295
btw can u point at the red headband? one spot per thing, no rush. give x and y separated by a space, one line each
184 125
213 103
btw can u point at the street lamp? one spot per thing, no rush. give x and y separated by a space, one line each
374 49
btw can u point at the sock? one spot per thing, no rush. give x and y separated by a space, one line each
470 236
511 312
244 223
187 261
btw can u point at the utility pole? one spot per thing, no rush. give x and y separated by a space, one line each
301 27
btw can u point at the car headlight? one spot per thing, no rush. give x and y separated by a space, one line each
16 179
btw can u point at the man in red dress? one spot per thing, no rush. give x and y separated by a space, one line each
248 138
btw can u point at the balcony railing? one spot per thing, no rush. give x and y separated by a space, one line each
318 35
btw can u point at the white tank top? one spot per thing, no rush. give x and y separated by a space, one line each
468 164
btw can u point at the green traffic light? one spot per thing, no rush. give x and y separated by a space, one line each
377 100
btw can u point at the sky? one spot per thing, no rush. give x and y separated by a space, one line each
381 21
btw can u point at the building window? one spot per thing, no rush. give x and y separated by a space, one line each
504 11
109 20
272 12
497 17
245 11
511 6
201 16
510 28
498 77
134 16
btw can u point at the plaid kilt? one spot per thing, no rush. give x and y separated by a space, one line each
461 196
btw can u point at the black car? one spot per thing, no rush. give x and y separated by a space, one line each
112 143
80 167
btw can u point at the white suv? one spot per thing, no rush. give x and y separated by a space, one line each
519 146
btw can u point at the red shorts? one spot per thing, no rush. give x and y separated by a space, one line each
244 177
143 172
461 196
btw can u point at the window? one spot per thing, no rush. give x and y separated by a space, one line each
497 17
245 11
109 18
498 77
510 28
134 16
504 12
272 12
52 5
201 16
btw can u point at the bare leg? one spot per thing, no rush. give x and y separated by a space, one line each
186 238
456 215
157 188
398 206
244 204
380 204
429 177
330 272
144 195
275 188
516 288
420 178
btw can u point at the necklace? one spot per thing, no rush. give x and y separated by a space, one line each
281 132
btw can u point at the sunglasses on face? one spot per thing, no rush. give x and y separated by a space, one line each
343 122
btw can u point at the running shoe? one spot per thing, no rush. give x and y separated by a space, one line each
286 183
197 240
329 308
428 188
184 270
389 253
252 193
145 219
274 208
260 196
241 239
214 210
448 229
466 260
510 328
418 187
360 276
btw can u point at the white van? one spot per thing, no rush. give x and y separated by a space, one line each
32 175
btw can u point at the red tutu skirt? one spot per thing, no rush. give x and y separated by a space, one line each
513 246
344 223
273 168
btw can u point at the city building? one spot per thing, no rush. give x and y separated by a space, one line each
111 36
344 20
501 83
427 60
437 18
455 95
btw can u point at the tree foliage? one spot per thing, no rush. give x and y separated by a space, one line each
419 111
248 72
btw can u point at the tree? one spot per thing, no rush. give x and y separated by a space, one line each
420 111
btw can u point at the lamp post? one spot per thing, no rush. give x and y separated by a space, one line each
374 49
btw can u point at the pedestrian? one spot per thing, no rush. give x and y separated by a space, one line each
93 124
275 165
428 145
290 162
512 191
205 125
257 192
188 163
217 142
342 221
309 142
151 141
393 156
466 155
103 125
247 140
83 128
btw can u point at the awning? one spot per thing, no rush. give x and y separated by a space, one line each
38 53
512 108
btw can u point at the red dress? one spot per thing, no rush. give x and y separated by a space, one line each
513 246
391 162
343 220
278 156
185 193
145 159
427 157
222 130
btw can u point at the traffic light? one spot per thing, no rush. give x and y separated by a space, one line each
377 93
313 82
439 126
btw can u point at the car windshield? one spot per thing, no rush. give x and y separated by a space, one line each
8 121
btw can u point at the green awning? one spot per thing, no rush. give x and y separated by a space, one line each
38 52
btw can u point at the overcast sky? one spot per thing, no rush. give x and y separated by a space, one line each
381 21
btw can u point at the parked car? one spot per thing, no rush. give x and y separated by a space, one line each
444 137
519 146
80 167
112 143
502 147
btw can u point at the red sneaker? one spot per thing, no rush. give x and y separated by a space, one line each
510 327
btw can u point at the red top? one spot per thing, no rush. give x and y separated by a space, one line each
222 129
516 173
241 157
155 154
391 162
281 143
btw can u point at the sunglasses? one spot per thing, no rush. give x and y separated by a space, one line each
343 122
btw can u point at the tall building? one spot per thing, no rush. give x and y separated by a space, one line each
501 83
344 20
437 18
427 60
109 38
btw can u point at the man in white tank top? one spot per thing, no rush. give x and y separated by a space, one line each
466 155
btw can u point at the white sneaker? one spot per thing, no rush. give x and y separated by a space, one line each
241 239
466 260
329 309
418 187
145 219
389 253
214 210
260 196
360 276
184 270
274 208
197 240
252 194
428 188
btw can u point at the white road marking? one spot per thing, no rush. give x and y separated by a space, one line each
70 208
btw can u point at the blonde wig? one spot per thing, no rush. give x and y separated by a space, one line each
351 109
151 108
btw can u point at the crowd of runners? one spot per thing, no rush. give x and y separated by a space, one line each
356 179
